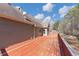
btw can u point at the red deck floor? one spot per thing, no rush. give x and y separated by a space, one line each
41 46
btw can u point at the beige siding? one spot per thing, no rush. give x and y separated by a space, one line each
14 32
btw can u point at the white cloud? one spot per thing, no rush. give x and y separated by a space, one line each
46 21
24 12
48 7
39 16
42 19
64 10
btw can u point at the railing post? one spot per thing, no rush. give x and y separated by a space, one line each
3 52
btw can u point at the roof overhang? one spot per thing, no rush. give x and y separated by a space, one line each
32 19
9 12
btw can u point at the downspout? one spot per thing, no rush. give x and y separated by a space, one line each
34 31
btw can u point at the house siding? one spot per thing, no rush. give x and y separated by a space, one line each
12 32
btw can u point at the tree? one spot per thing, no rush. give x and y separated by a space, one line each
55 26
70 22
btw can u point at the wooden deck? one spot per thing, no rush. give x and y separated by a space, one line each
40 46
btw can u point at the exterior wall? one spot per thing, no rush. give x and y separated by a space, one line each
38 31
45 32
13 32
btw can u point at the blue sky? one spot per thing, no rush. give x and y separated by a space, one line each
54 11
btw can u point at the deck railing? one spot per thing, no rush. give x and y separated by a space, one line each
65 48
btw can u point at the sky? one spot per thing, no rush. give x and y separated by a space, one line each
44 11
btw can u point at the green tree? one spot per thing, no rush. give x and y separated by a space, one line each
55 26
70 22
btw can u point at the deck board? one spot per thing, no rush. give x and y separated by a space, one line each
40 46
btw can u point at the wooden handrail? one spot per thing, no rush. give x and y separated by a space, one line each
66 49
